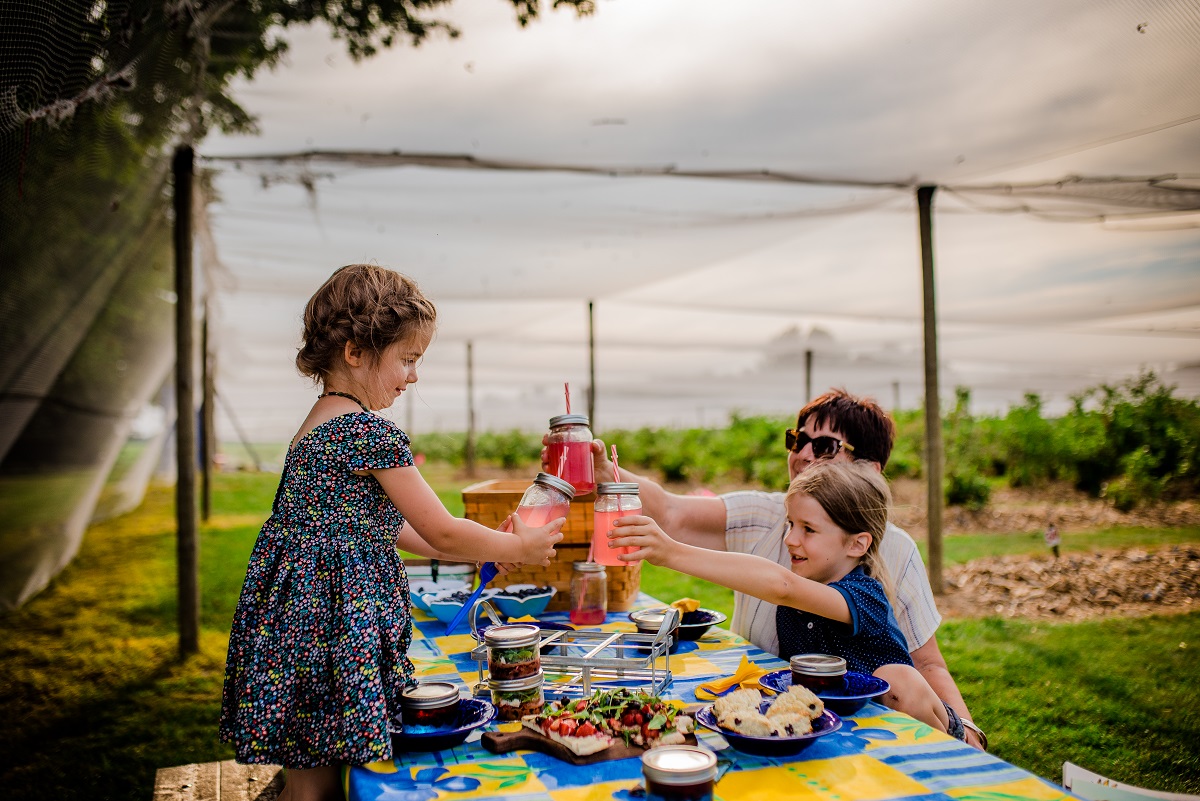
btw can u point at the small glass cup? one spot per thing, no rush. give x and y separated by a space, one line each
589 594
516 698
613 500
513 651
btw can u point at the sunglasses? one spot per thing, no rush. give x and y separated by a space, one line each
796 439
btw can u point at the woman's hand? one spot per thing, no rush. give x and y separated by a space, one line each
537 543
641 532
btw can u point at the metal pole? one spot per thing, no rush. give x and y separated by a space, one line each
807 376
592 364
208 437
187 544
933 416
470 450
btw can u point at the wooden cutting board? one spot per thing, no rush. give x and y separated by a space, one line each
503 742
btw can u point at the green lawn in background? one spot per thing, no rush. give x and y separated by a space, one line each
96 699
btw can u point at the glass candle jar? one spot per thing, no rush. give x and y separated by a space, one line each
513 651
430 703
516 698
548 498
589 594
679 773
820 673
569 451
613 500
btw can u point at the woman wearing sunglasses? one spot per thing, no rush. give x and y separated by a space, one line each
837 426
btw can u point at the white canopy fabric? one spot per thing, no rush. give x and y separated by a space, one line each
709 290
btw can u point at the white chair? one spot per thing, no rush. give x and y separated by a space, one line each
1095 787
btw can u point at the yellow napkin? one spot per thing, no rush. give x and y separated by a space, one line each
747 676
523 619
686 605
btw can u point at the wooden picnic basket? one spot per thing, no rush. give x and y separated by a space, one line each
489 502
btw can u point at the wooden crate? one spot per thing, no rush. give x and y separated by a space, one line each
489 502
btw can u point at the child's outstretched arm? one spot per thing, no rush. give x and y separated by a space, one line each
741 572
421 506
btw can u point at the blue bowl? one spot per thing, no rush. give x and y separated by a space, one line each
444 609
472 713
857 690
533 605
827 723
417 590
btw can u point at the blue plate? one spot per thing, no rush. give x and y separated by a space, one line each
859 689
827 723
472 713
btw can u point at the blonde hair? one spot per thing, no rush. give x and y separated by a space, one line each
857 499
365 304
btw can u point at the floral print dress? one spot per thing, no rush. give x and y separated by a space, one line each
317 652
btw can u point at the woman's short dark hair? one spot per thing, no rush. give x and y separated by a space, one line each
861 421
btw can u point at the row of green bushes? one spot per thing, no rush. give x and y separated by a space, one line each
1128 443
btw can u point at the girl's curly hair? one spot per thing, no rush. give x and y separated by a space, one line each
364 304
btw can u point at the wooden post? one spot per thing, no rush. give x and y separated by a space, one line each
592 364
208 438
933 416
469 456
186 542
807 375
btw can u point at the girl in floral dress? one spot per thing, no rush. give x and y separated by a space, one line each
318 647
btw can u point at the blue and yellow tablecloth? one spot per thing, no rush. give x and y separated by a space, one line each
878 754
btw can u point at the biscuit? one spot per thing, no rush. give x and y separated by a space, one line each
748 699
797 699
792 724
749 722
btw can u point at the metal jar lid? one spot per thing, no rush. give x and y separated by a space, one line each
651 619
588 567
554 482
679 764
818 664
617 488
513 685
429 695
513 635
569 420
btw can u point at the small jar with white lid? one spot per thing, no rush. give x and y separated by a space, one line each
679 773
516 698
429 703
513 651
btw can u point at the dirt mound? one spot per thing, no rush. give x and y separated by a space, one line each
1076 587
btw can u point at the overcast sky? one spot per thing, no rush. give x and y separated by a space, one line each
708 292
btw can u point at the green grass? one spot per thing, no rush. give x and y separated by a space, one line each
961 548
96 699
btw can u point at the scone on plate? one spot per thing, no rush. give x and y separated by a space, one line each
748 699
798 699
792 724
748 721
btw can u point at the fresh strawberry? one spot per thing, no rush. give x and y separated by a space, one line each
585 730
567 729
556 724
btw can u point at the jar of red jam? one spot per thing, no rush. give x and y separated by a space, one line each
820 673
516 698
513 651
429 703
548 498
679 773
569 451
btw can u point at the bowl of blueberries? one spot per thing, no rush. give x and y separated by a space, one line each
518 600
444 605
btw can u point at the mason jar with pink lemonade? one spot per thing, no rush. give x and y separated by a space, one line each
613 499
548 498
569 451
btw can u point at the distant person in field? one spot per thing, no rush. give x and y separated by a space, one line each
318 648
837 426
1053 540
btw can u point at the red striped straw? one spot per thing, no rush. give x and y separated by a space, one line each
616 471
567 394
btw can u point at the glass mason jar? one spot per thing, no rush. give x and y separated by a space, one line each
613 500
513 651
820 673
429 703
679 773
569 451
589 594
516 698
548 498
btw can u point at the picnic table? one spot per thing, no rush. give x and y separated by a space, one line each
877 755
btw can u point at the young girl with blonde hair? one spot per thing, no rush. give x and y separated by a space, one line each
834 600
318 647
